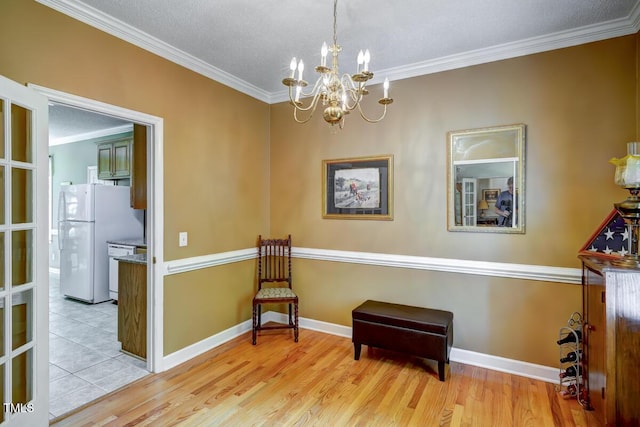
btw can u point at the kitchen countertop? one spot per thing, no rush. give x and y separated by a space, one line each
134 259
139 243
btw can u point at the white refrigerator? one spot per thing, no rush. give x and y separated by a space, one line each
89 215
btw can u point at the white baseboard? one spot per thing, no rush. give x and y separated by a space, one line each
510 366
496 363
187 353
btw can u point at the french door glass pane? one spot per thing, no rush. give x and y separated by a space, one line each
2 305
21 257
21 196
2 217
22 377
2 264
21 147
2 127
21 316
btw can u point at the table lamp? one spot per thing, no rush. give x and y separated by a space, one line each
483 206
628 176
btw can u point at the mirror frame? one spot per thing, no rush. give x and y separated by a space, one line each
492 150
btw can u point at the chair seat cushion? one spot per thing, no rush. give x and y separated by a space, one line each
268 293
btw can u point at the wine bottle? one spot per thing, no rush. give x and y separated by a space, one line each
571 372
570 357
571 337
571 390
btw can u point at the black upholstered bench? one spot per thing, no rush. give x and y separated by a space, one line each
421 332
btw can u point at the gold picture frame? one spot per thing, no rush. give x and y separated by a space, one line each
491 195
481 164
358 188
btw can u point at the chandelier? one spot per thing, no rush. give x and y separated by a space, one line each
339 95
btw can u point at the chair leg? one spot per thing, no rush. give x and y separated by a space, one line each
254 329
290 316
295 327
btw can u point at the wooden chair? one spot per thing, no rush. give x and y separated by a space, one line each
274 284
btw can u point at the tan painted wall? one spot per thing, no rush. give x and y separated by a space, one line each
215 148
578 104
579 108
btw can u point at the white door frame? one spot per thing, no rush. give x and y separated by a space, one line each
155 217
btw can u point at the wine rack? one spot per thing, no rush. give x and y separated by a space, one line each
570 349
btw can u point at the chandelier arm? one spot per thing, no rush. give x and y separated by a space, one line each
301 121
312 107
384 113
297 105
302 94
353 96
347 81
313 90
354 90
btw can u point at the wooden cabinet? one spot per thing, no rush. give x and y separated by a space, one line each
139 168
114 159
132 307
611 342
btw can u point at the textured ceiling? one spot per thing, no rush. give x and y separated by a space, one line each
248 44
68 124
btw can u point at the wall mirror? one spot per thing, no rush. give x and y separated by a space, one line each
485 179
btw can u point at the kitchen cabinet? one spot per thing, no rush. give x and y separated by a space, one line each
132 304
114 159
139 168
611 360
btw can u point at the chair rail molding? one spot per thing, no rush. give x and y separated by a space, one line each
483 268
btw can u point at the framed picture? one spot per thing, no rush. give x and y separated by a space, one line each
358 188
490 195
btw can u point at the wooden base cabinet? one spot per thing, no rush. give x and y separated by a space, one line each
611 342
132 308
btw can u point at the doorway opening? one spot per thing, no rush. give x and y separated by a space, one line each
87 358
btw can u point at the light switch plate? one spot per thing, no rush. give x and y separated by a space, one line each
182 238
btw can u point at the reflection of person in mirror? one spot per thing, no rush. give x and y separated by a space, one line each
505 206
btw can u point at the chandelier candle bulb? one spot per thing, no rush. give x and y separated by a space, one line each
367 58
300 69
360 61
386 87
292 67
323 53
298 89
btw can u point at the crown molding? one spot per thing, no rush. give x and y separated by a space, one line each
559 40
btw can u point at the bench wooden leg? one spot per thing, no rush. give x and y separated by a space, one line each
357 349
441 371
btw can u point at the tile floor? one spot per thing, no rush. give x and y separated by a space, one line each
85 361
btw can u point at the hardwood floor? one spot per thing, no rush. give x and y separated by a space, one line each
316 382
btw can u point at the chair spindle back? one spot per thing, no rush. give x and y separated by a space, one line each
274 261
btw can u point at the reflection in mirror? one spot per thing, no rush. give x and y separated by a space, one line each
485 182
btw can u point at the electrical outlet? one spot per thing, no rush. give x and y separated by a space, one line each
182 238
